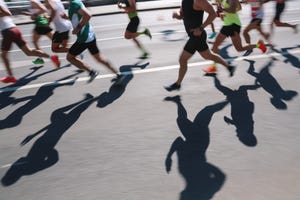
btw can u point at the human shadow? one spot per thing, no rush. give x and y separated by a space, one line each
224 53
289 57
7 91
171 36
242 110
43 153
44 93
265 79
203 179
116 90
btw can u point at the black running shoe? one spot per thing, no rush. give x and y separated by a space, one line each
231 70
148 33
93 74
248 52
172 87
144 56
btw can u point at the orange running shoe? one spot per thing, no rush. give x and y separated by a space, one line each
210 69
260 44
55 60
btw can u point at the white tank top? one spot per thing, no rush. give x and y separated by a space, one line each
61 24
5 22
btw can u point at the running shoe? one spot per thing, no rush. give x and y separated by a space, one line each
172 87
38 61
148 33
248 52
93 74
8 79
144 56
212 35
260 44
210 69
55 60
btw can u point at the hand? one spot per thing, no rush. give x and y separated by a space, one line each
76 30
197 31
168 164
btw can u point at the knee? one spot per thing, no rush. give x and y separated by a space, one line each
127 36
70 57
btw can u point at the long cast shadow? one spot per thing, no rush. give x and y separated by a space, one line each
242 110
203 179
7 91
265 79
44 93
43 153
289 57
116 91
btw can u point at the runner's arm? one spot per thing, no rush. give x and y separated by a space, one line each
4 11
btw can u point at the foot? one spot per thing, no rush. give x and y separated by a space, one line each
172 87
212 35
38 61
93 74
176 99
55 60
260 44
210 69
148 33
144 56
231 70
8 79
248 52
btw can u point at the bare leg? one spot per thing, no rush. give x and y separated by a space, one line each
103 61
78 63
183 59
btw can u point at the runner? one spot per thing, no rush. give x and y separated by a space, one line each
192 12
11 34
257 14
131 32
231 28
62 26
86 39
37 12
280 6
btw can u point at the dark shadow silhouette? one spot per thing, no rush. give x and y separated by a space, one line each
44 93
116 91
265 79
224 53
43 153
242 110
170 36
203 179
6 92
289 57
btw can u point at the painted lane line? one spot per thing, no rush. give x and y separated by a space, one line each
140 71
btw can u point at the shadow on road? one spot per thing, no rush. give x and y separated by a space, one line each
42 95
242 110
6 92
203 179
116 91
43 153
265 79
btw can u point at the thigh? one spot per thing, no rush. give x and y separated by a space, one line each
93 48
132 27
77 48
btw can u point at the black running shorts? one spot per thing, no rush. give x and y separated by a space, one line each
196 43
132 27
60 37
78 47
230 30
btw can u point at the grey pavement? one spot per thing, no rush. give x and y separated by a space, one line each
113 9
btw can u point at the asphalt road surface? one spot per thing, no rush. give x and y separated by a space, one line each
219 138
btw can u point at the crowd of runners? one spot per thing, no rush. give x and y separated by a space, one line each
77 21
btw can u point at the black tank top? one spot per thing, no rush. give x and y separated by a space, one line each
191 18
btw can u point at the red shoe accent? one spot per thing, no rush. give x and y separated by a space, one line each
262 46
55 60
210 69
9 79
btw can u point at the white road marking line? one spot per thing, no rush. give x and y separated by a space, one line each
140 71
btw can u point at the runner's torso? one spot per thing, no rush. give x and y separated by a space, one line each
191 18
